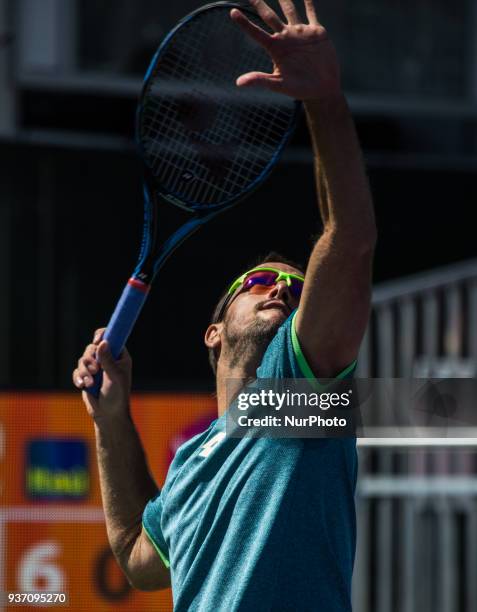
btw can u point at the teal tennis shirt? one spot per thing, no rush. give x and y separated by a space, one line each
259 524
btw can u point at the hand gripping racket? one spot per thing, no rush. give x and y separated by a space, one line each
205 143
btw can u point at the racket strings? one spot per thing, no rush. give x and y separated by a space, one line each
217 41
272 114
228 129
247 164
246 156
238 131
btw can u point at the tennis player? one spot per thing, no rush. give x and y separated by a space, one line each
258 524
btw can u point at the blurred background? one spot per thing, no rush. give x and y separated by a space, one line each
71 213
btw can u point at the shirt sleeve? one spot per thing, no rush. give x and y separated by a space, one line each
284 358
151 522
304 366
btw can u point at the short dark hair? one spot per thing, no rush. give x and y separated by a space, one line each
218 313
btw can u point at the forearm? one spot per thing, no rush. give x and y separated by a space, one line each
125 480
320 180
322 190
339 170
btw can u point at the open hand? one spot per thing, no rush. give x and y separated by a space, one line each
305 65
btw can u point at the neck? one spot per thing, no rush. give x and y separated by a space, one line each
231 378
240 356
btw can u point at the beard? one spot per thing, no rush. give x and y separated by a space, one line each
249 345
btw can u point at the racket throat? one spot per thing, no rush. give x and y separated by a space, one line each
140 285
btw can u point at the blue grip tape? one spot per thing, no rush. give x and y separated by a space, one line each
121 323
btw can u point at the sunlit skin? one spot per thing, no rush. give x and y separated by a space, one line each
271 309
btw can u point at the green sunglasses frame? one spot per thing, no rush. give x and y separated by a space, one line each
281 276
231 293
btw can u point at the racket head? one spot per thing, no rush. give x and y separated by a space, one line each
205 142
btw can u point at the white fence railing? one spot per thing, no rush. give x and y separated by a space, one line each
423 319
417 505
417 530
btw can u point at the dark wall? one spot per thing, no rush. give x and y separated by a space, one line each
71 225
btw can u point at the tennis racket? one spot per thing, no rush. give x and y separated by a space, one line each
205 143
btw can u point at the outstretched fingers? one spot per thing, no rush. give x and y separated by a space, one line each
289 10
311 12
259 35
268 15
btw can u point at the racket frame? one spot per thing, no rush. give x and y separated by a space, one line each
152 259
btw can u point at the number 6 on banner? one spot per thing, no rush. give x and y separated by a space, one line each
37 571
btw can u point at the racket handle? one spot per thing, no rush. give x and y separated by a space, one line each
121 323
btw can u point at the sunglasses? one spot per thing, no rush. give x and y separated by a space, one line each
259 280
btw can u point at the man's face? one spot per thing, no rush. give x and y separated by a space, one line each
269 308
253 318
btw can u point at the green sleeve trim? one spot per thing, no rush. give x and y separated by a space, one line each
304 366
164 559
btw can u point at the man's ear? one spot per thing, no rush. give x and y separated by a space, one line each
213 336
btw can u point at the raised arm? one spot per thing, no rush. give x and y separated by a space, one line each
335 304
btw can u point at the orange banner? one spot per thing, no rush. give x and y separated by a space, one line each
51 519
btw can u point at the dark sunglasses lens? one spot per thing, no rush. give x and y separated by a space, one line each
296 287
265 279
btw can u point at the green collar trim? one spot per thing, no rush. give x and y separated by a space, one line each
304 366
164 559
